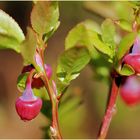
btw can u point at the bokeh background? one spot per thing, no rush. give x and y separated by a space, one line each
85 100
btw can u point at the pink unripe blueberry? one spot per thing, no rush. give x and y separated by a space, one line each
133 59
28 110
130 90
28 106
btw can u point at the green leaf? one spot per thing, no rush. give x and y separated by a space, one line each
85 35
125 44
78 36
108 32
70 64
8 42
21 82
62 85
92 25
28 47
46 36
11 34
44 17
126 70
99 45
124 24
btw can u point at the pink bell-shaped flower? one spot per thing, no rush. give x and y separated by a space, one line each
28 105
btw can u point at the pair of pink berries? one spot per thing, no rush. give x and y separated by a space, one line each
130 89
28 105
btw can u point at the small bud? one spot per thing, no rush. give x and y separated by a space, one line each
53 131
54 88
48 71
130 90
38 61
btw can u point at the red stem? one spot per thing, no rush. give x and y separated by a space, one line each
55 129
56 134
110 111
29 78
55 122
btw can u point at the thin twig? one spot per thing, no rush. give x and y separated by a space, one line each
111 109
55 129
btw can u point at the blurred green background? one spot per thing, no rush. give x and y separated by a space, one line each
83 105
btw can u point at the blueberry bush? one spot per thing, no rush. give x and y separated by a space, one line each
112 49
